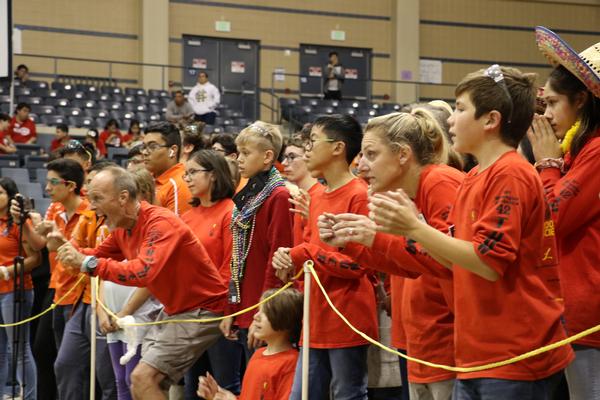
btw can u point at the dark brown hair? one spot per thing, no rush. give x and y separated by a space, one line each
214 162
488 95
565 83
284 311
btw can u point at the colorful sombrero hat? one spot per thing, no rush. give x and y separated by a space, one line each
585 66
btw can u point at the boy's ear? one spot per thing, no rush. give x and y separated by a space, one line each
339 148
269 157
493 120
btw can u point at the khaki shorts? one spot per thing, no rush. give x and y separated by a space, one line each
174 348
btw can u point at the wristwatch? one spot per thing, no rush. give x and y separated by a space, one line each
89 264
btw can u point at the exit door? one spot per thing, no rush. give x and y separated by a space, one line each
313 69
231 65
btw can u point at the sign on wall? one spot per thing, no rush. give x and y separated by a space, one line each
199 63
314 71
238 67
351 73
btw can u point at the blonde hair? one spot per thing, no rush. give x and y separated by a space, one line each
266 135
145 184
420 130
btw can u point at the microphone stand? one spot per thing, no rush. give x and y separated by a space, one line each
18 305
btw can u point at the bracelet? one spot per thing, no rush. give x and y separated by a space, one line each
549 163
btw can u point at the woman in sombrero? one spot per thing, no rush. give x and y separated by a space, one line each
566 146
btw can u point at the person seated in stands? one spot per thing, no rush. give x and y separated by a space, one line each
62 137
92 137
22 128
83 153
204 99
6 144
22 74
135 158
111 135
179 111
134 135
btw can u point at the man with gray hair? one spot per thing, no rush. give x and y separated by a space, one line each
151 247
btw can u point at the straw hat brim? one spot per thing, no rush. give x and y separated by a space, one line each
558 52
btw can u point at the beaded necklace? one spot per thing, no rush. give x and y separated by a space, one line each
243 223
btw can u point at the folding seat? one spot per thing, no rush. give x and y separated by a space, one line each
42 110
16 174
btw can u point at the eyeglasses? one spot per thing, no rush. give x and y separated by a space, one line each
291 157
311 143
151 147
56 181
191 172
495 72
218 149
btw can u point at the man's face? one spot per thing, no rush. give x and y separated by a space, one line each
333 59
294 165
23 114
202 78
156 153
22 73
105 201
179 99
60 134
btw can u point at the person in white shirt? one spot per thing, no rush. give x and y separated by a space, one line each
204 99
334 78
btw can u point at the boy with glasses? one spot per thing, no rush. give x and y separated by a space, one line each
161 150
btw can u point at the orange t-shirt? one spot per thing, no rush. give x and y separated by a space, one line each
301 233
62 279
172 192
502 212
211 225
575 207
241 185
346 282
9 249
269 377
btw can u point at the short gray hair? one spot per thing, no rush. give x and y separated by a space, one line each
123 180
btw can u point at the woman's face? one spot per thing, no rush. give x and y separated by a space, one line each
3 200
560 111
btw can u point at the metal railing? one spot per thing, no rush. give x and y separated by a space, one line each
275 99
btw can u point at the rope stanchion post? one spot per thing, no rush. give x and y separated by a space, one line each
306 329
93 323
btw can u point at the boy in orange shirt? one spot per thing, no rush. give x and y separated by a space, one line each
270 372
502 253
338 356
161 150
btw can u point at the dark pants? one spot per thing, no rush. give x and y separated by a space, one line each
72 366
333 95
502 389
343 372
208 118
123 372
404 376
44 351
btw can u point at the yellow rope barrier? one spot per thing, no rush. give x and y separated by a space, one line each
512 360
203 320
46 311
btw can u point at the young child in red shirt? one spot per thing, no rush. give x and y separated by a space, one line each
502 253
62 137
338 356
261 223
567 169
270 372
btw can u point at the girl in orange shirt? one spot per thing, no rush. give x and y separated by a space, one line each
208 178
9 249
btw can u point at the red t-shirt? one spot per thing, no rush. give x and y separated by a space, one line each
164 255
9 249
502 212
171 191
3 140
21 132
426 302
346 282
574 202
301 232
269 377
116 141
211 225
61 278
272 230
56 144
